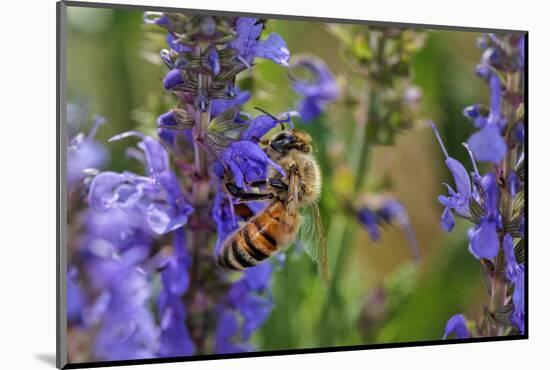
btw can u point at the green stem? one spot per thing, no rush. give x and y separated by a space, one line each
341 231
198 237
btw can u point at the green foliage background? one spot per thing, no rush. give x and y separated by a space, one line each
110 71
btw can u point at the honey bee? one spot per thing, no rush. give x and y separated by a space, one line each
277 226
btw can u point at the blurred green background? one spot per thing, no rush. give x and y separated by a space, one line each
381 296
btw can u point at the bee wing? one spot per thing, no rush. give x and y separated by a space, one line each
313 238
291 204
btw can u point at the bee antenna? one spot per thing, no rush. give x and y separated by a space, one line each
267 113
281 122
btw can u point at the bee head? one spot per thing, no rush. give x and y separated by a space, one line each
291 139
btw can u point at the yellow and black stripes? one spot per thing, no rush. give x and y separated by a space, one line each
256 240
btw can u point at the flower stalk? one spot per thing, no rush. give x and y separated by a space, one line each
379 83
495 204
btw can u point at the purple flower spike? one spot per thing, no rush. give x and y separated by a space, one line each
457 325
172 80
317 91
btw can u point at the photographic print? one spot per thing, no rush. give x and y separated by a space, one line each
238 184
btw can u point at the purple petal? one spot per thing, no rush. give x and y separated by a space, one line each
227 329
164 217
273 48
155 154
175 339
491 194
521 51
175 45
519 132
488 144
457 325
258 127
213 60
175 277
485 243
76 299
310 108
172 79
247 161
247 35
461 178
218 106
86 154
167 119
255 310
447 220
102 196
512 267
518 297
369 220
317 90
258 277
473 112
513 183
496 97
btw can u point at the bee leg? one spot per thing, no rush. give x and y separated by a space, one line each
244 196
257 183
275 183
278 184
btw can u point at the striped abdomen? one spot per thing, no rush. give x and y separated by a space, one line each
260 237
